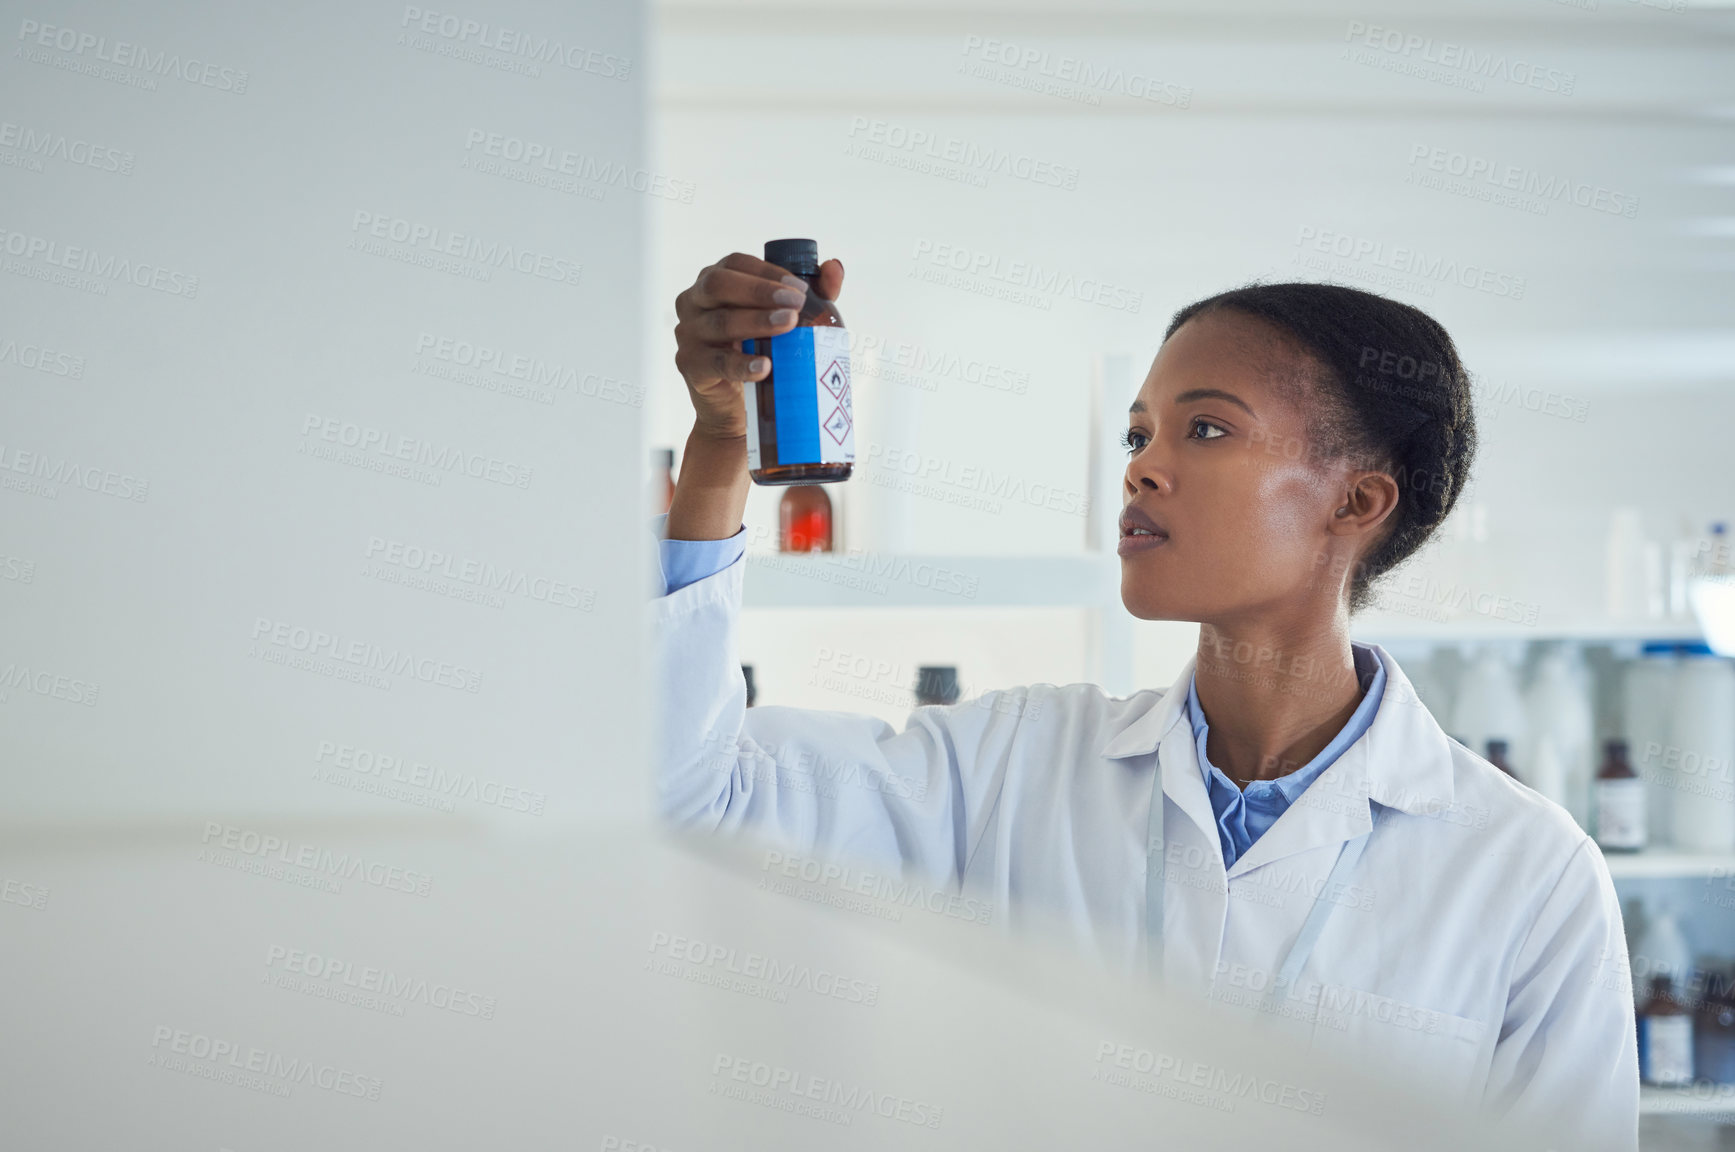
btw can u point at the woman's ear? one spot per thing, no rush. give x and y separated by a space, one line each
1369 498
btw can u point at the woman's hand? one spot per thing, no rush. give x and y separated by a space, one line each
738 298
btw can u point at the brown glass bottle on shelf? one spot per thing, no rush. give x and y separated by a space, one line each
1497 757
800 427
1620 801
936 684
1665 1037
804 519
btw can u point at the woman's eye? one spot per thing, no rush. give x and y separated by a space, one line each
1207 424
1127 440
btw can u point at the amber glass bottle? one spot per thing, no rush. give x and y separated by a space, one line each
800 429
1620 801
1497 757
936 684
804 519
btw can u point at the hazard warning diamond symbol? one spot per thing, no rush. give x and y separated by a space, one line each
836 378
838 424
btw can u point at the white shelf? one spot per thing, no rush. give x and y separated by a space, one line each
1700 1100
1387 626
880 580
1090 580
1664 863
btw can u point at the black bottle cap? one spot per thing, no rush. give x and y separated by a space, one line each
937 684
799 256
747 674
1496 747
662 457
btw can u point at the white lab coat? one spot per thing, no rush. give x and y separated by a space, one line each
1479 940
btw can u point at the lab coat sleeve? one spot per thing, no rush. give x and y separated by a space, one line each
1566 1059
827 784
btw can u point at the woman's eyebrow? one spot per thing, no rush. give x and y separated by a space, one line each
1198 394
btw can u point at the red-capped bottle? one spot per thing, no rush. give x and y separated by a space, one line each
804 519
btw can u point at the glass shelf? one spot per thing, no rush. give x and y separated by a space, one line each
1092 580
1705 1099
1667 862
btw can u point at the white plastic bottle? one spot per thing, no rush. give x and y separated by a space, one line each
1662 951
1702 749
1559 711
1488 705
1647 690
1547 769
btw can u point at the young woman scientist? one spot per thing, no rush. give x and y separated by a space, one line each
1321 849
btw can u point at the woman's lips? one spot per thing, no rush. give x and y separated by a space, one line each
1131 544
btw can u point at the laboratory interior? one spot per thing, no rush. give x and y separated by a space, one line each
505 642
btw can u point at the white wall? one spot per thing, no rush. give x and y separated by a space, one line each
152 592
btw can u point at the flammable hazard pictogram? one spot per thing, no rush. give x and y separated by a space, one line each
838 424
836 378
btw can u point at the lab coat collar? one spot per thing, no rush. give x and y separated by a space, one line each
1403 761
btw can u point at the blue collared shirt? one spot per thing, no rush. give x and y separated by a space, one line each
1244 816
687 562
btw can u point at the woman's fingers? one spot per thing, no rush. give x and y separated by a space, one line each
732 325
725 286
830 279
706 362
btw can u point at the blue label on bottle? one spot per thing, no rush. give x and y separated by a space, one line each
810 387
797 404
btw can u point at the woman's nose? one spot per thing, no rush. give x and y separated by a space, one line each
1146 472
